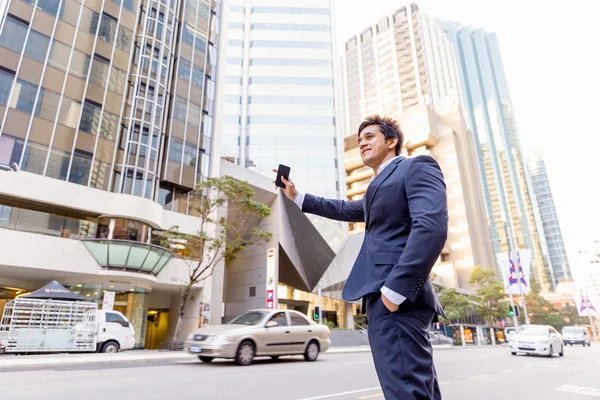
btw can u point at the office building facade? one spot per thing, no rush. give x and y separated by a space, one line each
559 261
280 91
489 114
107 109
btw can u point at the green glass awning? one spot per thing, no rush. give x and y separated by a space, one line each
128 256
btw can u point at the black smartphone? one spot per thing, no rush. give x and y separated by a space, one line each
284 171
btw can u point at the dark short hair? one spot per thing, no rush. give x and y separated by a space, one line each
388 126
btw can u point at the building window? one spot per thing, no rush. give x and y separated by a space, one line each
24 96
291 27
108 28
50 6
37 46
13 35
124 38
10 149
69 12
185 69
99 71
47 104
69 112
58 164
252 291
128 4
6 81
109 126
179 109
34 158
80 63
291 10
80 169
90 117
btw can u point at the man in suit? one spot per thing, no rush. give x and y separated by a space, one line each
406 217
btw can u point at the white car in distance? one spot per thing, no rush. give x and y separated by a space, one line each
542 340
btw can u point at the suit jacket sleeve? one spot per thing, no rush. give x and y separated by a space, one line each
339 210
427 205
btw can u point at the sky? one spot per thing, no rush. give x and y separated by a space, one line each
552 61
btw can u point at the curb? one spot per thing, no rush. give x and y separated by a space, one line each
24 362
8 362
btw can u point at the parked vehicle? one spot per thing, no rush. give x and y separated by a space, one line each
541 340
32 325
576 335
260 333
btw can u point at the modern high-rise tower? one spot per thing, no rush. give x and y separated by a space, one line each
561 271
489 114
280 93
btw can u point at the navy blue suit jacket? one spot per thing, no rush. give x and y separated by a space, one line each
406 215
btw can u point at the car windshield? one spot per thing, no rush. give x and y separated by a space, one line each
534 330
249 318
573 330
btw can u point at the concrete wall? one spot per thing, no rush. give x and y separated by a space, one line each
250 270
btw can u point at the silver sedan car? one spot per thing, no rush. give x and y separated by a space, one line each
259 333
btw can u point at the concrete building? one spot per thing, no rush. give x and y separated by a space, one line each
402 61
404 67
280 91
488 112
107 108
443 136
560 270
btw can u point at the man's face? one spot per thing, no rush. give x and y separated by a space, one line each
373 146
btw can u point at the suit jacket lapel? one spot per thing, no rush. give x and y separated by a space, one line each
374 186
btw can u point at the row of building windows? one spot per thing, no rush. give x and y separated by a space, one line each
282 27
283 100
14 34
34 159
281 44
291 120
282 10
288 62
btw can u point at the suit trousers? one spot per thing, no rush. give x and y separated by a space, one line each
401 349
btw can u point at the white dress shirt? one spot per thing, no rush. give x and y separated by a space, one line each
392 296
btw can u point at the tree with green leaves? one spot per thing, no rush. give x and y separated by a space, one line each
455 305
540 310
571 316
489 296
229 217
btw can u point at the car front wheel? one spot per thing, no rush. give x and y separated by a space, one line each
245 353
205 359
562 351
312 351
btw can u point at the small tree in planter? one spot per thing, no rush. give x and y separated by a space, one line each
228 225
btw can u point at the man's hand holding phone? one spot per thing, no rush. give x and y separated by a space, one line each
290 189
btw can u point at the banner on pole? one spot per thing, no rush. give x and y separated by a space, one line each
515 271
587 303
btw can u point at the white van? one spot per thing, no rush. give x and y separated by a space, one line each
576 335
113 332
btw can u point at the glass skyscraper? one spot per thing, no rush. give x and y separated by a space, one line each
280 103
488 112
561 271
112 94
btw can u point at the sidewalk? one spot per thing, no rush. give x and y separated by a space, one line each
10 361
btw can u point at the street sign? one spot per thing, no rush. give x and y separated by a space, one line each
271 282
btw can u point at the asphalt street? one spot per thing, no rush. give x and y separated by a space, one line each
469 373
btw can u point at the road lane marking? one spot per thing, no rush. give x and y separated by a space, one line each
371 396
329 396
506 371
477 376
444 383
579 390
536 363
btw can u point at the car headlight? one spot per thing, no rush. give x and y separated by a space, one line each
221 338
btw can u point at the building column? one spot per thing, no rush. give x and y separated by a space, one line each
349 316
